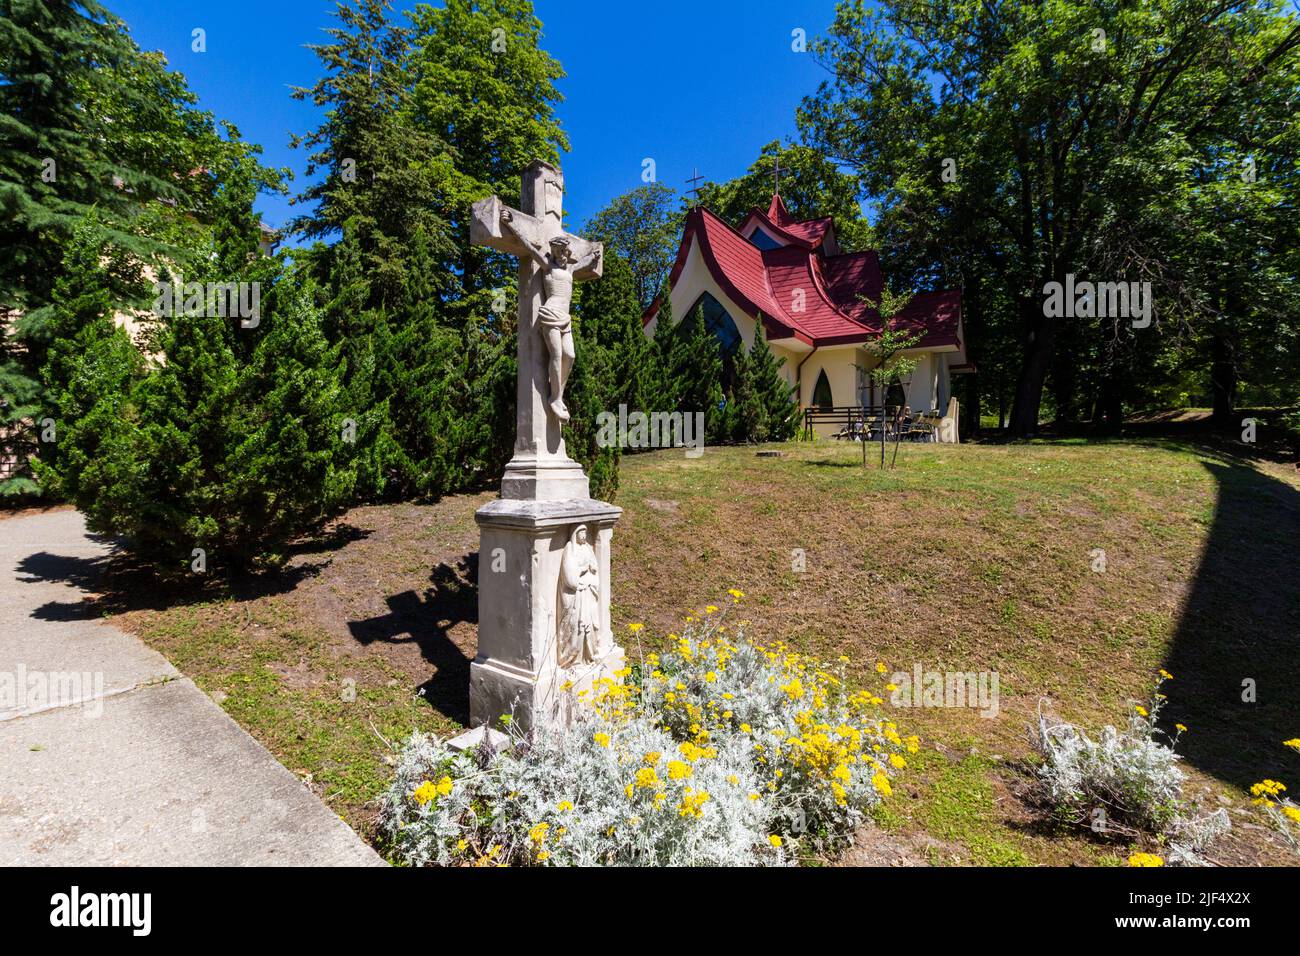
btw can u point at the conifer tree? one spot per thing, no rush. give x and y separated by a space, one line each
589 391
612 319
777 415
93 132
90 369
662 391
695 367
384 190
746 420
209 451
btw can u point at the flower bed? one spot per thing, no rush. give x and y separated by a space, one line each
1126 784
718 752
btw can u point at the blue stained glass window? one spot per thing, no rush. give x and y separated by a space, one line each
717 321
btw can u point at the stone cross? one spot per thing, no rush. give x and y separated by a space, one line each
544 546
550 260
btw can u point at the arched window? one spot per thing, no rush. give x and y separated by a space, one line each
822 392
763 240
717 321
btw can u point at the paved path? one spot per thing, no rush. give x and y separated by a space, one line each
109 756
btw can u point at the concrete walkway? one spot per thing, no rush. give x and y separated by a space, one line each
109 756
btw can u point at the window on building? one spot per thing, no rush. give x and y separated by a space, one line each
717 321
763 240
821 396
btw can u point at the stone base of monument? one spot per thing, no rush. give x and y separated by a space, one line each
471 739
518 672
529 478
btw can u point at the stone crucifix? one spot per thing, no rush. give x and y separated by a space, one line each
550 260
544 638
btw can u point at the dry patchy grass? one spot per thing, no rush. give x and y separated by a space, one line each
964 558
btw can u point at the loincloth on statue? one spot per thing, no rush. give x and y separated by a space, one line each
554 320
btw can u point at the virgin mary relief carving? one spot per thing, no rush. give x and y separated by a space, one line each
579 601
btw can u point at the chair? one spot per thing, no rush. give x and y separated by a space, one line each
925 428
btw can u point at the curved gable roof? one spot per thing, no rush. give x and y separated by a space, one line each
778 221
804 295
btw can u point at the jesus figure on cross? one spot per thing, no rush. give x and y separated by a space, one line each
558 265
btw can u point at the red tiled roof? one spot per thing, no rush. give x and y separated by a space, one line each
777 212
802 294
782 225
737 265
852 277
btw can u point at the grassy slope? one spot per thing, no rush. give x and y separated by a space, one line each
965 558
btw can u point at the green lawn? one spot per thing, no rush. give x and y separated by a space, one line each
964 558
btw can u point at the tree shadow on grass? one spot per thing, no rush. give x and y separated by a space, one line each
827 463
427 619
1241 623
117 582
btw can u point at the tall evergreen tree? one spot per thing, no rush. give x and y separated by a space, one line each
611 317
57 59
695 369
406 153
662 388
777 418
487 88
384 187
92 133
589 391
746 410
235 457
90 370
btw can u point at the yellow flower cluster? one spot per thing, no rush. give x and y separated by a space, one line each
824 737
810 739
428 790
1282 810
691 803
612 697
647 778
1264 790
1145 859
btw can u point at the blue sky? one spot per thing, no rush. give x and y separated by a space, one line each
690 84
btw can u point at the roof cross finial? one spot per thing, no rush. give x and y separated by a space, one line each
776 175
695 180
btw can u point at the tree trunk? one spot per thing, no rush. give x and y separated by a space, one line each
972 407
1108 410
1039 339
1114 362
882 427
1065 375
1002 402
973 318
1223 372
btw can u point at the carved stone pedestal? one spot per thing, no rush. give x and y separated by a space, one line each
543 574
521 607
